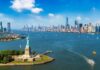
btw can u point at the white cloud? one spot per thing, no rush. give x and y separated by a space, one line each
36 10
32 20
79 18
87 19
51 15
20 5
98 21
43 21
5 19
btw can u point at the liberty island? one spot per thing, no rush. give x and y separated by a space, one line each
28 58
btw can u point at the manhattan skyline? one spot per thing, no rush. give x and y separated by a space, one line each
48 12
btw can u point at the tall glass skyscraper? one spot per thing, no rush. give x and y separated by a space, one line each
1 27
67 25
9 27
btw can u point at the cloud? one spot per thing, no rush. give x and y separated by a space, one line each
42 21
51 15
5 19
87 18
36 10
79 18
98 22
32 20
21 5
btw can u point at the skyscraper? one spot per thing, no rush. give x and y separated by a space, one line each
67 24
76 23
9 27
80 27
1 27
97 28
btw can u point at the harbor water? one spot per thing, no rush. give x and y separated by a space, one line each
68 49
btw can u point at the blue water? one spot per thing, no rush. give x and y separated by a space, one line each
64 47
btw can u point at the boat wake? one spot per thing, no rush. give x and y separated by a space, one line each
91 62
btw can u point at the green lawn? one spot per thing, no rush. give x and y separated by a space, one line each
44 59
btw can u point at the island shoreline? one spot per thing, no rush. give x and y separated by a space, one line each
25 64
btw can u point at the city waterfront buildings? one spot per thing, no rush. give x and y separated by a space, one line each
77 27
5 29
9 27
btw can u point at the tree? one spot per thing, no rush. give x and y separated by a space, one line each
5 60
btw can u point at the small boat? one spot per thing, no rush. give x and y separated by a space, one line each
93 52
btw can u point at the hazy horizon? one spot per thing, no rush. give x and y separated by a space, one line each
48 12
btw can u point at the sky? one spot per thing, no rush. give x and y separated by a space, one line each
48 12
